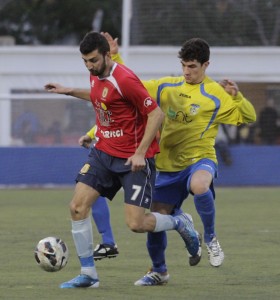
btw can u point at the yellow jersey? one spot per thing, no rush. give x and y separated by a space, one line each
192 115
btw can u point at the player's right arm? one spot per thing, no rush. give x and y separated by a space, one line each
85 140
74 92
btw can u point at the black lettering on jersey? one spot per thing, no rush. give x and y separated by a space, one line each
184 95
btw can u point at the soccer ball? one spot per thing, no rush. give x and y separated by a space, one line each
51 254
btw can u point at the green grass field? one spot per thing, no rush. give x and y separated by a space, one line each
247 225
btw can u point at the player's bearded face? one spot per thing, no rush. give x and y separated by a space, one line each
99 70
96 63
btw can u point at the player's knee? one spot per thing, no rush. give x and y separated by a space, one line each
77 210
200 182
199 186
74 209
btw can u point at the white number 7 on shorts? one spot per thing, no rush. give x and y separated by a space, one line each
137 189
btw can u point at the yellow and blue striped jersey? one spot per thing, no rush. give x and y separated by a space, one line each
192 116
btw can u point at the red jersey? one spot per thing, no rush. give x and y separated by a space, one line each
121 103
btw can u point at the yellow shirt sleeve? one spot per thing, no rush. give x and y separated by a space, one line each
234 110
117 58
246 108
91 132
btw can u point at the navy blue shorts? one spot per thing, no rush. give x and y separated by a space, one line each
174 187
107 174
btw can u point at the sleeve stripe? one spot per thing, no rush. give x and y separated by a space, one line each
217 107
164 85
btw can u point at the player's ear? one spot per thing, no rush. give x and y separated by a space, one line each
108 54
205 65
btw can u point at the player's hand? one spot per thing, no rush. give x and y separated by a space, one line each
137 162
57 88
230 87
114 46
85 141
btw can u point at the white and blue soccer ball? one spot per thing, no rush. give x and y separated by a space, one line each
51 254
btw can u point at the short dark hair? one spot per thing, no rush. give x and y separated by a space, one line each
92 41
195 48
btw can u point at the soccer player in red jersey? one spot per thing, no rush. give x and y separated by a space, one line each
127 122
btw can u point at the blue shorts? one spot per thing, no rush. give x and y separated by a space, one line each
174 187
107 174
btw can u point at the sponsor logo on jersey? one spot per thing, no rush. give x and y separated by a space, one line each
107 134
92 83
148 102
104 115
179 115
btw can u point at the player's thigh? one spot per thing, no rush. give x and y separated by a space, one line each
138 186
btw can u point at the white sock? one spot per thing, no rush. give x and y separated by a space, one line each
164 222
82 236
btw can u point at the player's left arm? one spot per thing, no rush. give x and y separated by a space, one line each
155 119
134 92
244 106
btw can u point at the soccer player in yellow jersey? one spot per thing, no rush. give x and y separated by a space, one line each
194 106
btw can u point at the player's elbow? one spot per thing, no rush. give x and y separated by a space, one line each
157 114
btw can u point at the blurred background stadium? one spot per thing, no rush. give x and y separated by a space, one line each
39 43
